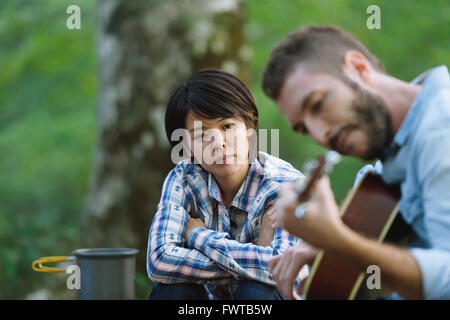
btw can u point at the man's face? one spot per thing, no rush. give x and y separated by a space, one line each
338 116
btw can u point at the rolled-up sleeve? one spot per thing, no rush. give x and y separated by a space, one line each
434 265
434 171
168 261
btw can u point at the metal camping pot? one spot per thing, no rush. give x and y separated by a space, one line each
105 273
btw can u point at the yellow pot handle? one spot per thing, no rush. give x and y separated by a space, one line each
41 268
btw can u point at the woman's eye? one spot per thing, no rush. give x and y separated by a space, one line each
228 126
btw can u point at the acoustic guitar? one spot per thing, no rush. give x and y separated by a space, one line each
369 209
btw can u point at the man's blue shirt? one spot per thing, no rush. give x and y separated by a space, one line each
419 161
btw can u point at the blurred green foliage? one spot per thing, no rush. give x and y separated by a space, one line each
48 92
48 85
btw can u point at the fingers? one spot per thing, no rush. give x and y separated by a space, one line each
271 209
195 223
275 266
273 263
324 199
284 270
286 282
270 217
275 220
285 205
323 188
274 216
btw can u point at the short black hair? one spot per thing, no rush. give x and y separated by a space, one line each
211 94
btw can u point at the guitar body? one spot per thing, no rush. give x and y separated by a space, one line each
370 210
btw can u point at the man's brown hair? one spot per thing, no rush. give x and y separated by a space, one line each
319 48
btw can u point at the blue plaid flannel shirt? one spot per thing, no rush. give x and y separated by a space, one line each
211 256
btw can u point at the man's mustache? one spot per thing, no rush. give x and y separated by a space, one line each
333 142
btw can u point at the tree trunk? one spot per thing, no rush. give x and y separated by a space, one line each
146 49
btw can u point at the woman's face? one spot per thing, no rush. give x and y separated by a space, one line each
220 146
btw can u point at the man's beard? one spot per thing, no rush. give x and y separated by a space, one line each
372 117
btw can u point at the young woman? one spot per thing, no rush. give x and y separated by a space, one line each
211 236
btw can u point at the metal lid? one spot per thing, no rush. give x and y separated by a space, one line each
105 252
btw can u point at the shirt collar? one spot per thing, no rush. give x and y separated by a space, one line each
429 80
247 192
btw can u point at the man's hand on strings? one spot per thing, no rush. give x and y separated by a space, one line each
285 267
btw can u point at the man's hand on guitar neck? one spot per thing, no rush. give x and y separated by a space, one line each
321 222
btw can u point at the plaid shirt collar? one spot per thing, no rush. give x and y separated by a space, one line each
247 192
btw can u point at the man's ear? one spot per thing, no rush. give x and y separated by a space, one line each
357 67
